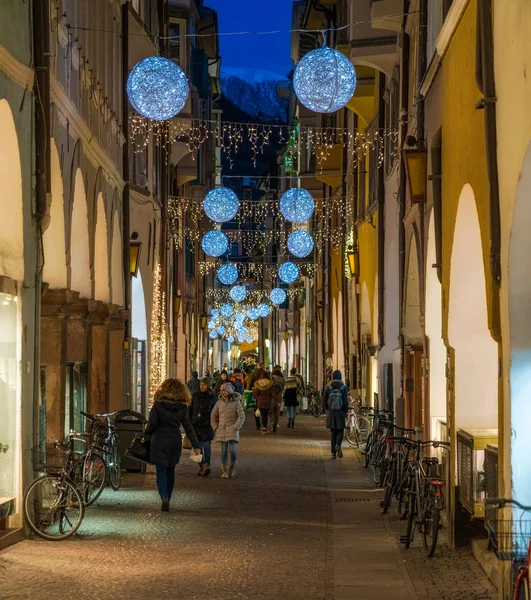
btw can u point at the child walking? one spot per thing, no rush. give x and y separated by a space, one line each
227 419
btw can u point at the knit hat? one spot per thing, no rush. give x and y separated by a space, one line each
205 380
336 376
228 387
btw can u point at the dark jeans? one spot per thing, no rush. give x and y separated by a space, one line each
292 411
336 438
206 451
165 481
264 413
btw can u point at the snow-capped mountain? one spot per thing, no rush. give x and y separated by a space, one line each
255 92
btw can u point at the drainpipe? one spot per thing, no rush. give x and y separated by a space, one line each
41 111
381 223
486 83
126 216
421 71
404 62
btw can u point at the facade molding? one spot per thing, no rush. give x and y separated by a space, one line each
17 71
79 128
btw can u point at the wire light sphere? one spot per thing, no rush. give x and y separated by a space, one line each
239 317
215 314
227 310
221 329
288 272
300 243
254 314
212 325
249 339
263 310
241 337
221 205
228 274
157 88
213 334
324 80
277 296
230 339
297 205
238 293
215 243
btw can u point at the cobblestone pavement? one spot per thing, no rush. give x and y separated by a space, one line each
268 533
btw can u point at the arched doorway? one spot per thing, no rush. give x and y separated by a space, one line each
117 273
436 350
79 241
476 353
520 337
101 256
54 271
283 355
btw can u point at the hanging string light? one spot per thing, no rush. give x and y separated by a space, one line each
238 293
221 205
157 88
288 272
300 243
158 340
277 296
228 274
297 205
215 243
324 80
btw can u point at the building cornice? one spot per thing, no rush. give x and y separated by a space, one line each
457 9
79 128
17 71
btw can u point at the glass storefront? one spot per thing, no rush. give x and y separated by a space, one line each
9 408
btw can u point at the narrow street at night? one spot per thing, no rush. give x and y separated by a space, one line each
291 524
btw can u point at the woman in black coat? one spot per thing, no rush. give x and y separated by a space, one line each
203 402
169 412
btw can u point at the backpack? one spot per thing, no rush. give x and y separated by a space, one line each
335 399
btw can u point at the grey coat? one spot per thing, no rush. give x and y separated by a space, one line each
227 419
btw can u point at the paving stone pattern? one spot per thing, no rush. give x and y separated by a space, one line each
267 534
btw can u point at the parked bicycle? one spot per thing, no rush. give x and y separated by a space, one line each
425 496
511 541
53 504
315 402
357 429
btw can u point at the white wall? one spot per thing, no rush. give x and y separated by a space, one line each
117 273
476 353
101 255
79 241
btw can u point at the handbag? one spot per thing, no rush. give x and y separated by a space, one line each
197 458
139 449
186 442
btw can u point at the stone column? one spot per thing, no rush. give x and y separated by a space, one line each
118 398
97 354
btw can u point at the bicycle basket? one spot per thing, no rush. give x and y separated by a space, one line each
509 538
47 457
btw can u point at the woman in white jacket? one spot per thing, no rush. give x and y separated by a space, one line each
227 419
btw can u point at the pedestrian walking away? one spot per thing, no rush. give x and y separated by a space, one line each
336 406
293 394
227 419
169 412
276 405
265 392
257 374
193 384
203 403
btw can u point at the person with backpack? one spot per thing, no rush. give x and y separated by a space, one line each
292 396
336 406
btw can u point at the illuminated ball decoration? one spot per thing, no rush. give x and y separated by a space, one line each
215 243
288 272
239 317
277 296
254 314
221 330
213 334
324 80
215 314
300 243
263 310
230 339
157 88
227 310
249 339
211 324
241 337
228 274
238 293
221 205
297 205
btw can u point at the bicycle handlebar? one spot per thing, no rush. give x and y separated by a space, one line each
501 502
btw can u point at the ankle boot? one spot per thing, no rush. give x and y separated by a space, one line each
207 470
165 506
293 424
232 470
201 470
289 423
224 471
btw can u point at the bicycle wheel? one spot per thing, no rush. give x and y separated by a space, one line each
410 522
522 588
94 477
403 500
368 449
115 469
53 507
364 429
316 409
430 526
388 496
351 435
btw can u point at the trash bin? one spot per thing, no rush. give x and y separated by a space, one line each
249 401
129 425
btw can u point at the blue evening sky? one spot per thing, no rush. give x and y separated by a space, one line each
265 52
